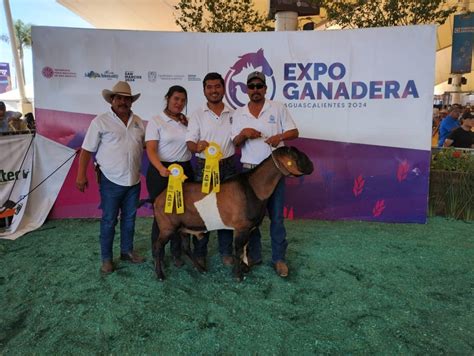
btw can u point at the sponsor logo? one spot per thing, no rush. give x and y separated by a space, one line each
49 73
236 77
10 176
104 75
152 76
130 76
193 78
171 76
92 74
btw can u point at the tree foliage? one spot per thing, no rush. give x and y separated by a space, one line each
23 39
382 13
23 34
219 16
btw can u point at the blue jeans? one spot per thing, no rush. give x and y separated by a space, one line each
275 206
115 198
224 237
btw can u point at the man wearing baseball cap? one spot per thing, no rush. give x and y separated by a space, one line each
259 127
117 139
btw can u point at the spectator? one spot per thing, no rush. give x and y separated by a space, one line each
6 117
449 124
462 137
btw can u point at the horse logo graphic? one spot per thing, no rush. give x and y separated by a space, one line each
152 76
236 77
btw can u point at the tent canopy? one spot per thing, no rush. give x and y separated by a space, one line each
155 15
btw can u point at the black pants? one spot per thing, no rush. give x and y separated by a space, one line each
155 184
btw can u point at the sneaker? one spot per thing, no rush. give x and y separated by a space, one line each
107 267
281 269
228 260
132 257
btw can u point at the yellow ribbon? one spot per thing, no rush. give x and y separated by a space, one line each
174 192
211 168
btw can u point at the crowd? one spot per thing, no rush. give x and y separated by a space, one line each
453 127
118 137
12 121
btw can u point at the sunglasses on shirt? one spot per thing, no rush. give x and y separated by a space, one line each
255 86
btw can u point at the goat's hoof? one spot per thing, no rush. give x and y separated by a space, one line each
244 268
238 274
200 264
200 269
159 274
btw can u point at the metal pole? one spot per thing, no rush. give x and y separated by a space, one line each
286 21
25 104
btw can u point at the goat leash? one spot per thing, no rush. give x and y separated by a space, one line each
277 165
9 204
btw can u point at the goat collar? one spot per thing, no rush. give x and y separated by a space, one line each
283 170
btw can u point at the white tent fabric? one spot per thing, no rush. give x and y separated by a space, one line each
43 158
12 98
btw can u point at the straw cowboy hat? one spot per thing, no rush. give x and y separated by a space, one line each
121 88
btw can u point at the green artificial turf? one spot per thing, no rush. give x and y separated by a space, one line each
354 288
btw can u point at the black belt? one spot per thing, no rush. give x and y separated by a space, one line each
222 161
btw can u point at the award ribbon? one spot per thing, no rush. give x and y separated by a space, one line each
174 192
211 168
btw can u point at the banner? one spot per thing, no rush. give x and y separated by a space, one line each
462 48
363 107
16 157
25 162
5 78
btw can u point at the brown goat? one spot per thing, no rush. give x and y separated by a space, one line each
240 205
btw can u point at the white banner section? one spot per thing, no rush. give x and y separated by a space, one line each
364 86
26 162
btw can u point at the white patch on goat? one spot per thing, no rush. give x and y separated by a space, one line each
207 209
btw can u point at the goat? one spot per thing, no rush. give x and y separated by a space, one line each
240 206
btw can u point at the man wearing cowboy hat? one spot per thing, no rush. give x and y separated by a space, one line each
116 137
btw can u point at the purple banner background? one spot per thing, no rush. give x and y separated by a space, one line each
350 181
5 79
361 182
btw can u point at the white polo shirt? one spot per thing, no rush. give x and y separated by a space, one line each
119 148
171 137
274 119
205 125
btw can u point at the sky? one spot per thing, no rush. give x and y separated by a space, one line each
35 12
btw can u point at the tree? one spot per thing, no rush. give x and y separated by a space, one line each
381 13
23 38
219 16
